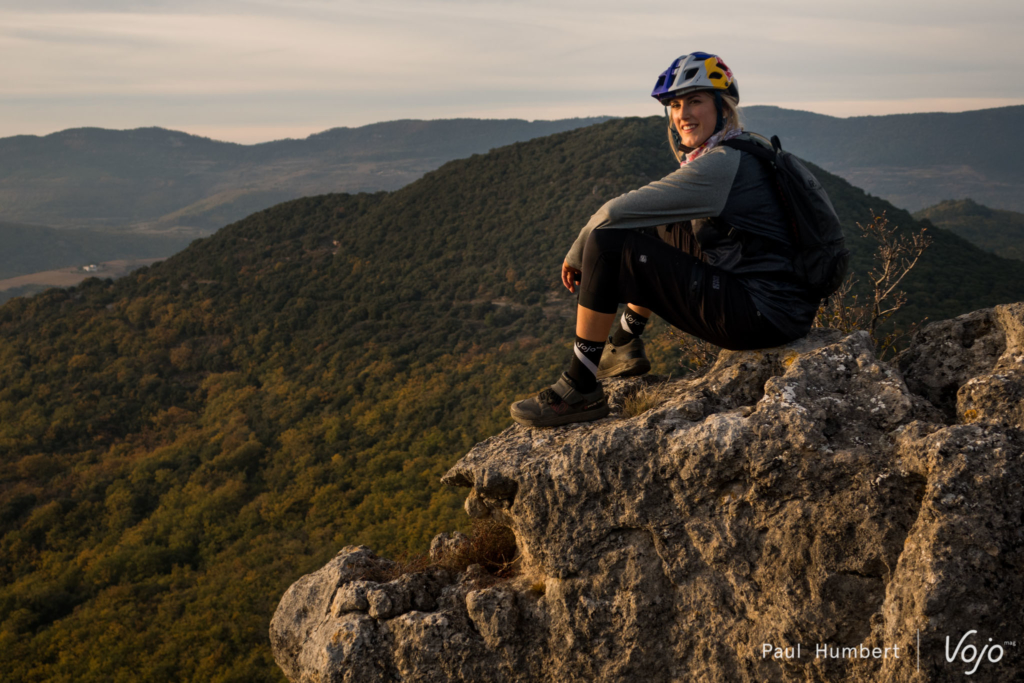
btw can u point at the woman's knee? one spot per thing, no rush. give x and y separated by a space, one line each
603 242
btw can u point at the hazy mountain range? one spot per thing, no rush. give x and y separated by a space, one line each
155 179
168 187
911 160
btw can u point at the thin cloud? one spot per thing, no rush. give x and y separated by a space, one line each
343 62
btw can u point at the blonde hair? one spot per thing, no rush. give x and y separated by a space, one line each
730 118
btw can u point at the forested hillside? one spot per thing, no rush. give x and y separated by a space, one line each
180 445
1000 232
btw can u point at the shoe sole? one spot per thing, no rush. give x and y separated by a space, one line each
557 421
629 368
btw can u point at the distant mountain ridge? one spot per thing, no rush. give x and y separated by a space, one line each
159 179
999 232
181 186
911 160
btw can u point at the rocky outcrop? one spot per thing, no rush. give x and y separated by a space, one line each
804 513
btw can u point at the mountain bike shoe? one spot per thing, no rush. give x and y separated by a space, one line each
627 360
560 404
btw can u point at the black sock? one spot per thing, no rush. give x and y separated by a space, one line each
632 326
583 369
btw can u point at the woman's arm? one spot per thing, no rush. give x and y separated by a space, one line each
697 190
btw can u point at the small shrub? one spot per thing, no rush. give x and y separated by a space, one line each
895 256
698 355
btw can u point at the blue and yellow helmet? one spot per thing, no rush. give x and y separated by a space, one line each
695 71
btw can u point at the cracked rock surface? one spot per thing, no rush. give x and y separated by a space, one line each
807 495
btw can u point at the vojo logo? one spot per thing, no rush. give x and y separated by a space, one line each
968 653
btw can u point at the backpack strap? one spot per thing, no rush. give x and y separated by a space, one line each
753 148
768 156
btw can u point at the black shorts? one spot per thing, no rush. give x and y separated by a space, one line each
661 269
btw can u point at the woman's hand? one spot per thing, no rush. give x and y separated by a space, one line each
570 276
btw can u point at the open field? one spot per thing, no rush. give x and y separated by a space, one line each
69 277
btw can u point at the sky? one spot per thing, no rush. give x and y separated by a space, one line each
256 70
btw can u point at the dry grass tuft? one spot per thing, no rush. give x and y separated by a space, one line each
643 399
491 545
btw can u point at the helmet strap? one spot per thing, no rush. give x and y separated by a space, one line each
675 134
720 122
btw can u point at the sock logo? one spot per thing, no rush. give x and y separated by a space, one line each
715 282
632 323
587 349
643 258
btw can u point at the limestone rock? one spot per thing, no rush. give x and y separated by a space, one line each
494 613
351 597
343 639
447 544
773 520
947 355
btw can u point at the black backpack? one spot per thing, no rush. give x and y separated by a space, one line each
822 258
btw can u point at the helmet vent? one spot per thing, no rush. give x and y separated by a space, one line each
714 76
689 74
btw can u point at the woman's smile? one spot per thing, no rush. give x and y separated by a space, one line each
694 116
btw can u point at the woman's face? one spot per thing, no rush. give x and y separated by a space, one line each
694 116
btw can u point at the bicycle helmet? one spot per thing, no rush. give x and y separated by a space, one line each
695 71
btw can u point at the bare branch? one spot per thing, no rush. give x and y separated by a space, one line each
895 256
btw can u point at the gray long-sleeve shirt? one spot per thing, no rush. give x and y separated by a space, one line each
734 188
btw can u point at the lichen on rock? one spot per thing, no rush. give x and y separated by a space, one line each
805 496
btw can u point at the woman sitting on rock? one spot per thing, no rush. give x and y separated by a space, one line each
707 248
